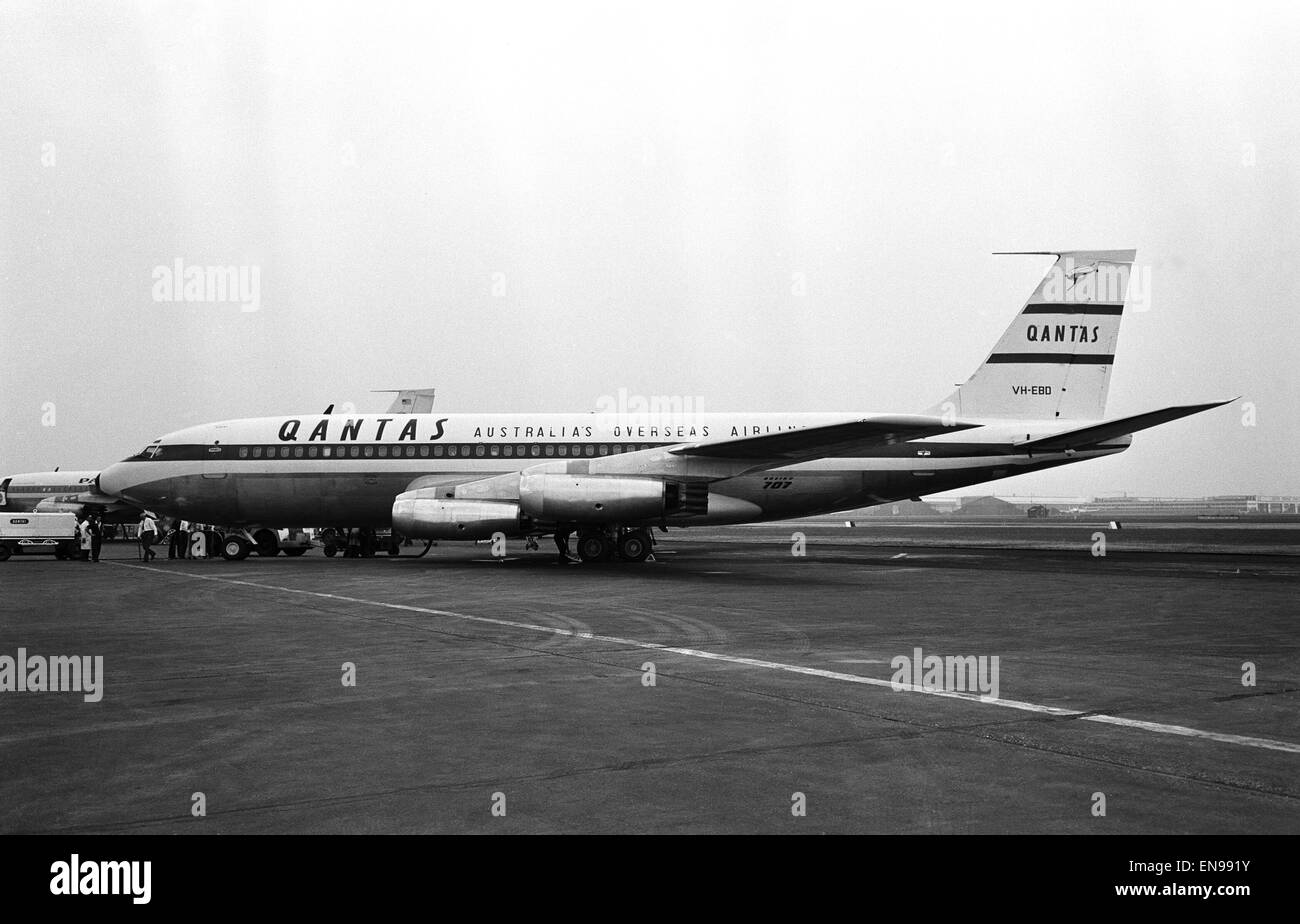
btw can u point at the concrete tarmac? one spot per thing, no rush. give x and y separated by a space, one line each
525 685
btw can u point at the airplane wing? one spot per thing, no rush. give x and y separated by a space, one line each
1097 433
96 498
789 446
64 502
707 461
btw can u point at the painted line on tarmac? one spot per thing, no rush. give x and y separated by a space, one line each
1081 715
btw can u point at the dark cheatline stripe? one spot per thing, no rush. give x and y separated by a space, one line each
370 452
426 464
1072 308
1073 359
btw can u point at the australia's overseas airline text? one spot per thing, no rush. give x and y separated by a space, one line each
294 430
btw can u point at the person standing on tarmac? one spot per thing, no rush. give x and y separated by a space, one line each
148 536
176 546
84 538
562 543
96 537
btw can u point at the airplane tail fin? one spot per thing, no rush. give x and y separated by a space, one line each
1054 361
409 400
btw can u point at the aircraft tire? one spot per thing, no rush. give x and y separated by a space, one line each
268 543
594 547
235 548
635 546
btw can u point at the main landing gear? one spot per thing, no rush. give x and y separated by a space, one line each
633 545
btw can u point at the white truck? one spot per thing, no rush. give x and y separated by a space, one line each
34 533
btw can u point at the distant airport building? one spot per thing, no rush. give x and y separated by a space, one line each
990 506
1224 506
909 509
1277 503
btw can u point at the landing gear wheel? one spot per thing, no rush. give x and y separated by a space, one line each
635 546
594 547
268 543
331 551
4 553
235 548
294 553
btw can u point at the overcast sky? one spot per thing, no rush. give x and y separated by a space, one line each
753 206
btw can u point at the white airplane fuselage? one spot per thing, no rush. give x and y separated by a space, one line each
327 470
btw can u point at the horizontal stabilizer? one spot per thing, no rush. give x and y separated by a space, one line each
817 442
1097 433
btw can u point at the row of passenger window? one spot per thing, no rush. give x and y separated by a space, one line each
439 450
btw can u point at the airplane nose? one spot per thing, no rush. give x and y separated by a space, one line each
116 479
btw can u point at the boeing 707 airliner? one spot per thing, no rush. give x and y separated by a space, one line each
1036 402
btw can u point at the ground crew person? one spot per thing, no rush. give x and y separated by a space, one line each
562 543
83 534
180 540
148 536
96 537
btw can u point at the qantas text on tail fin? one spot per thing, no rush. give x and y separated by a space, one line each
1036 402
1054 360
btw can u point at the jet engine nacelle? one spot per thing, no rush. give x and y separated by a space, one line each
422 516
594 498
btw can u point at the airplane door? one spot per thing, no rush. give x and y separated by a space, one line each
4 492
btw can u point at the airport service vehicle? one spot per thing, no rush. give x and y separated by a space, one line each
264 541
269 542
32 533
358 543
1037 401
